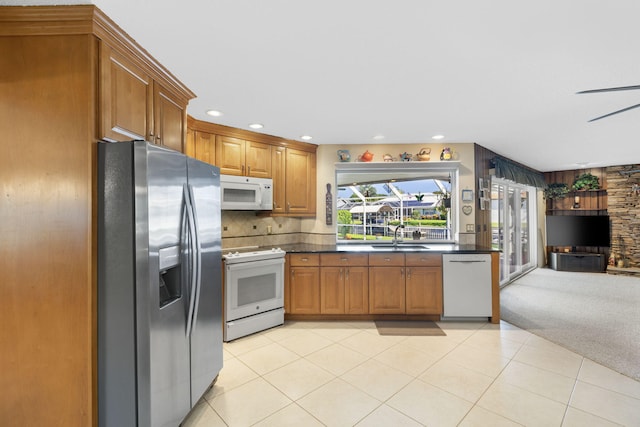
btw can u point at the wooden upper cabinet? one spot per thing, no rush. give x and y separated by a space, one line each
300 186
127 98
278 163
290 164
237 156
201 146
135 106
170 119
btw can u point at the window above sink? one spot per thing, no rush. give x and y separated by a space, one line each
372 199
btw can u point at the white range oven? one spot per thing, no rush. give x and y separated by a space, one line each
254 291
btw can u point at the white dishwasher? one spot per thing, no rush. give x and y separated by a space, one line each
466 286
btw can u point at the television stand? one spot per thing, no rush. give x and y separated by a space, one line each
577 261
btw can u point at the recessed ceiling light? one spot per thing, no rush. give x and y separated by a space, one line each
437 137
306 137
378 137
214 113
256 126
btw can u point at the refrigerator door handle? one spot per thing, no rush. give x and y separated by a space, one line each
195 258
198 254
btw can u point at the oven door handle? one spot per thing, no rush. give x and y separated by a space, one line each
195 257
255 264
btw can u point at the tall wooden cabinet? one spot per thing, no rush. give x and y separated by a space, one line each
70 77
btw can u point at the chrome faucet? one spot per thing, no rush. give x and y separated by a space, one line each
395 235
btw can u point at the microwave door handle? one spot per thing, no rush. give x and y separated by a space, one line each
192 258
259 195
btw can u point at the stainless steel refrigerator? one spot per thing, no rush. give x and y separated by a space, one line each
159 283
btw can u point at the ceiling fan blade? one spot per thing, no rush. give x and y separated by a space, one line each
615 112
610 89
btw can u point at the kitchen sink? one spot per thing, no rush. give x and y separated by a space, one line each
399 247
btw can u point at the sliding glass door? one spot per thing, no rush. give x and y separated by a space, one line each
512 225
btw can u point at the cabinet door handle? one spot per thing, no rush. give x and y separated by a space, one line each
248 170
408 273
347 272
402 271
242 169
340 274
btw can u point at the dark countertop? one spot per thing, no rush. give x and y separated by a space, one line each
359 247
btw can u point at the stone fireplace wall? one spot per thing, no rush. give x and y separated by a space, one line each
623 193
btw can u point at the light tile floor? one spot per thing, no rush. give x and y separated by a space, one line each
345 374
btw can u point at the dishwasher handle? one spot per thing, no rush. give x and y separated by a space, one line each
466 261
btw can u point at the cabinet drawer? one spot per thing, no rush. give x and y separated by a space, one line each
344 259
423 260
301 260
386 259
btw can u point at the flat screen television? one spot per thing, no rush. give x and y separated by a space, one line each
589 230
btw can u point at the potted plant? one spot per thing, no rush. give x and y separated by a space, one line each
586 181
556 190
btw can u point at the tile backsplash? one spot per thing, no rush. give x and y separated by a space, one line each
246 228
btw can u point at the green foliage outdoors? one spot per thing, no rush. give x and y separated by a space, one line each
368 237
344 217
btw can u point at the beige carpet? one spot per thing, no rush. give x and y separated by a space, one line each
596 315
408 328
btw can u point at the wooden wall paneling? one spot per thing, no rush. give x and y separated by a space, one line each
591 202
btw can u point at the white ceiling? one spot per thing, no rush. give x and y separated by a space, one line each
500 73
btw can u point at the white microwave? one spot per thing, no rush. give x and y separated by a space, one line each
245 193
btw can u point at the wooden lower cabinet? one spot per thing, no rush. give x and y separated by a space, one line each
423 283
332 290
386 290
356 290
423 289
361 283
304 284
344 284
